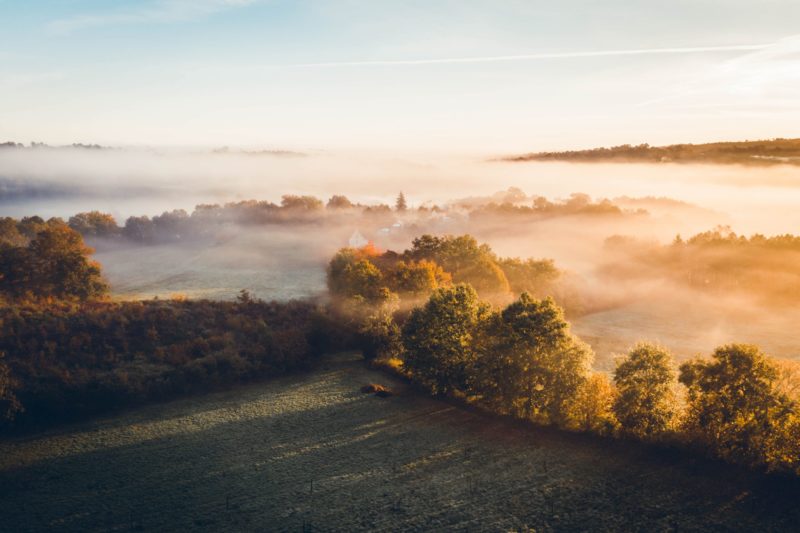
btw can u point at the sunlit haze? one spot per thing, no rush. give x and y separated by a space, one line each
459 76
399 265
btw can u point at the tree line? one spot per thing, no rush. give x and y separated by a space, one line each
180 225
765 152
520 359
717 261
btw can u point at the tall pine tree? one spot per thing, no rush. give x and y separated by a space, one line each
400 205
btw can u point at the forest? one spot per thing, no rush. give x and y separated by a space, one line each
766 152
447 313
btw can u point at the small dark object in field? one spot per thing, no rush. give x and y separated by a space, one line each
378 390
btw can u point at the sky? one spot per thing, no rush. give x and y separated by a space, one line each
460 76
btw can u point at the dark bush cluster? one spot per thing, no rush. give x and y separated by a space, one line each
65 360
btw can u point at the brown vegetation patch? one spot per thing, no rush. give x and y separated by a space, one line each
373 388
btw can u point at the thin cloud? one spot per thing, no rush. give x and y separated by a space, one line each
769 74
161 11
526 57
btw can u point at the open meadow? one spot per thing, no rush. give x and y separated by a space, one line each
310 452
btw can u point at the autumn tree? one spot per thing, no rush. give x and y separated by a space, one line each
734 403
56 263
351 274
30 226
337 201
439 338
10 235
301 203
591 408
62 266
94 224
465 259
417 278
646 404
530 365
536 277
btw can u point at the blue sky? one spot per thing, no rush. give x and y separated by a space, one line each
432 75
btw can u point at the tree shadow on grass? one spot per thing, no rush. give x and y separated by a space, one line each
347 461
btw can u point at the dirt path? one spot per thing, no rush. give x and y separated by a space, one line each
312 453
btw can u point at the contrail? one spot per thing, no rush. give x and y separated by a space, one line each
524 57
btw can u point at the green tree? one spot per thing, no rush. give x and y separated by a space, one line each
378 335
529 364
439 338
646 403
734 404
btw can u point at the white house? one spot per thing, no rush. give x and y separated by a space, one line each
357 240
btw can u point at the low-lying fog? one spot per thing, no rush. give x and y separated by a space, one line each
146 181
284 261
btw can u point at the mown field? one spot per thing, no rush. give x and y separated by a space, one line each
311 452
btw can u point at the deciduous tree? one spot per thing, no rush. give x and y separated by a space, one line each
530 365
734 404
646 404
439 338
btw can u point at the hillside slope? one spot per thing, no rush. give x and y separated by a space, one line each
311 452
766 152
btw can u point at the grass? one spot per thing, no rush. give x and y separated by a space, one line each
312 452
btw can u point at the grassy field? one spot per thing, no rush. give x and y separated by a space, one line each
311 452
696 328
